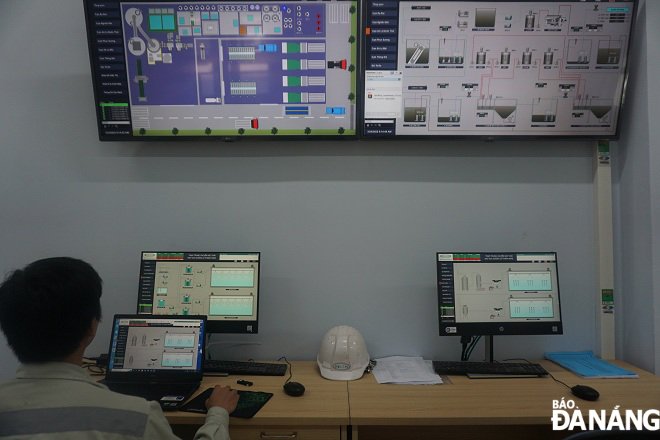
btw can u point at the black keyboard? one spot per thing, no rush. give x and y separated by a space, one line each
488 368
244 367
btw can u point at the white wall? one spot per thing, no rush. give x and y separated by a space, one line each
637 202
348 231
654 168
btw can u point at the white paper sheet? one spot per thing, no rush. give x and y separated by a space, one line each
410 370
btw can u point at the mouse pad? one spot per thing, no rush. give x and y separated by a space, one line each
249 403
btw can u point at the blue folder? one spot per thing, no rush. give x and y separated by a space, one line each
585 364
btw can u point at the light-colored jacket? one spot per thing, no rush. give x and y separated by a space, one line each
57 400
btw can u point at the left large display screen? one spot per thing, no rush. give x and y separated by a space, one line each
165 69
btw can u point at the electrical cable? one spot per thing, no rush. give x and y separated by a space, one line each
469 343
290 368
473 344
92 364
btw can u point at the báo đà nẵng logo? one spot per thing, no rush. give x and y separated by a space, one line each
566 415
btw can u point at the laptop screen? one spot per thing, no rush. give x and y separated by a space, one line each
149 345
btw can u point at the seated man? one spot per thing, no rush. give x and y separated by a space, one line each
49 312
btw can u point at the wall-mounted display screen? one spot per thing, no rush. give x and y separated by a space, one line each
193 69
495 68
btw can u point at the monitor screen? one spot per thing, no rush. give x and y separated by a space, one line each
498 293
223 69
224 286
495 68
156 344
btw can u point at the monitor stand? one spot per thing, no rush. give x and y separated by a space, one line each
224 367
488 345
207 357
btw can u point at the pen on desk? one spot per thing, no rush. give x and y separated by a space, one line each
217 374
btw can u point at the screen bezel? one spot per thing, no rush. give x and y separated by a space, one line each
553 327
495 136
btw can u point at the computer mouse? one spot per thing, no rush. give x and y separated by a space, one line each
294 389
585 392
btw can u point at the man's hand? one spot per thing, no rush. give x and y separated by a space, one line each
223 397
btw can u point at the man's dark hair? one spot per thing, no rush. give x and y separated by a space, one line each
47 308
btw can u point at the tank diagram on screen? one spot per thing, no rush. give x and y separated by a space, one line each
198 68
519 68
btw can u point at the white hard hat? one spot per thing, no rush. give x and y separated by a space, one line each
343 354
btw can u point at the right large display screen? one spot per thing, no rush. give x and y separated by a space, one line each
495 68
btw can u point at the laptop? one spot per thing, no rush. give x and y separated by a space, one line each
158 357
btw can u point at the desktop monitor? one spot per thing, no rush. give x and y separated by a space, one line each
495 68
224 286
498 293
164 69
